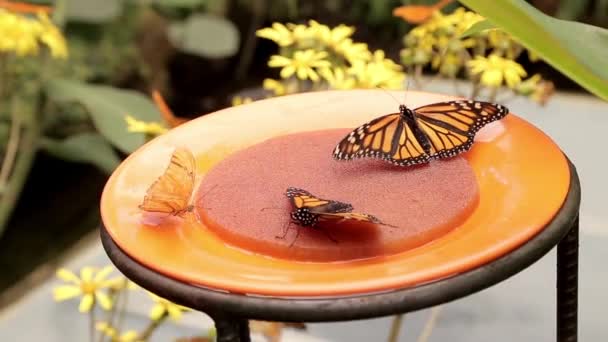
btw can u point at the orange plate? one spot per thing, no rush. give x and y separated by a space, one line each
523 179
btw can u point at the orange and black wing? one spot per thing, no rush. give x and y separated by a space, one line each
171 192
387 137
303 199
352 216
451 126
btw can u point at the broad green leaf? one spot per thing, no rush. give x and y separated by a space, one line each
579 51
478 27
206 36
84 148
93 11
108 107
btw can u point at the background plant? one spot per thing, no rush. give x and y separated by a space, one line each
315 57
104 296
488 59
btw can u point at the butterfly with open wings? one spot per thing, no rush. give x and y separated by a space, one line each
410 137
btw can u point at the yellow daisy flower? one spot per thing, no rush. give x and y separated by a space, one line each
338 78
331 37
23 35
275 86
138 126
163 308
115 336
494 69
238 100
374 74
278 33
52 37
301 64
302 34
353 52
380 58
89 285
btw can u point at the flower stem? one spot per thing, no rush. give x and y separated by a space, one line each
12 146
475 91
493 92
92 324
3 79
145 335
395 328
123 305
17 170
115 297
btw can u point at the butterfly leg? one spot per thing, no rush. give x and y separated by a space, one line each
294 239
270 208
285 231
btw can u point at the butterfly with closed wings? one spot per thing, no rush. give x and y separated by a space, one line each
309 210
410 137
171 192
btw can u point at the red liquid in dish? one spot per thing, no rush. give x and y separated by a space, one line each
423 202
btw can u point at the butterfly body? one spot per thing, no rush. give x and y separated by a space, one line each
304 217
410 137
409 118
309 210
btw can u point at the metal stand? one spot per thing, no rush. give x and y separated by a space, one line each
231 329
567 286
231 311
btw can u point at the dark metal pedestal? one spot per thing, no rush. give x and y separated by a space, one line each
231 312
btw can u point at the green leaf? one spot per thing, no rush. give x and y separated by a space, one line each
205 35
108 107
579 51
84 148
93 11
478 27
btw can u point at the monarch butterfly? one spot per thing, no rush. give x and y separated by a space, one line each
171 192
309 210
439 130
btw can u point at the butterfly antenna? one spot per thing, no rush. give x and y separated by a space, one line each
389 93
270 208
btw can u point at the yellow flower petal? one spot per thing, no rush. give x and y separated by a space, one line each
276 86
86 303
174 312
312 75
287 71
65 292
491 78
104 300
512 78
278 61
67 276
157 312
116 283
102 326
86 274
103 274
301 73
129 336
